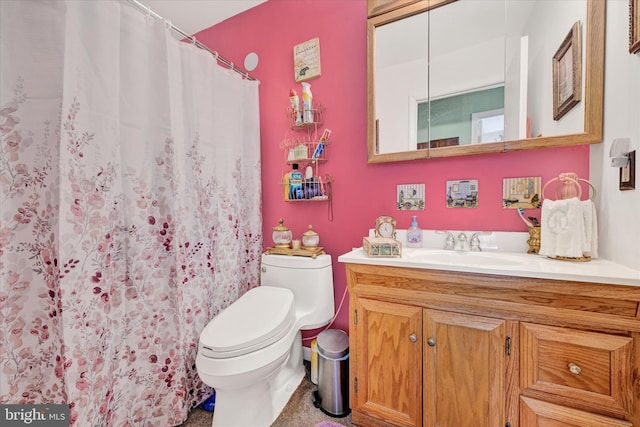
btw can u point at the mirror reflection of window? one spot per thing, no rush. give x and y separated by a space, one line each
447 121
487 126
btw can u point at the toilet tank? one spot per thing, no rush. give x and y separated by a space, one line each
310 279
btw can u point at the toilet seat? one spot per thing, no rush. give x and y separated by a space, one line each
256 320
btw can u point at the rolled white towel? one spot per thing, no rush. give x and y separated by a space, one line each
562 231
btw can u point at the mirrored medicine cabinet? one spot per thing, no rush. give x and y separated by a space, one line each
460 77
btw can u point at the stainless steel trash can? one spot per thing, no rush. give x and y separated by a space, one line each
333 372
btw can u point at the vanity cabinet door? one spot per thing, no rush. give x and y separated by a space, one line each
387 361
464 370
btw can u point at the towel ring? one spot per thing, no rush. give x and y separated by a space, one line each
575 182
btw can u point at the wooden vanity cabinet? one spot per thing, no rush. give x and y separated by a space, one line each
448 349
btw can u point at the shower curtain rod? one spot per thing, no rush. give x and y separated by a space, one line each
144 8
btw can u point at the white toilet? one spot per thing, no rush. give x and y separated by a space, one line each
251 353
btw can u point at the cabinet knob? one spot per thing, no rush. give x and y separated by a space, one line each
574 369
431 342
413 338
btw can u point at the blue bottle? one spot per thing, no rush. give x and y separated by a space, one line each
295 183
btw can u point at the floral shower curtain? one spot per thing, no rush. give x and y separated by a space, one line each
129 208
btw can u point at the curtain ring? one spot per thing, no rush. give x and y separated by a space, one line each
148 11
193 40
168 24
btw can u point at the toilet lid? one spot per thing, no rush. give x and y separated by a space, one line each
257 319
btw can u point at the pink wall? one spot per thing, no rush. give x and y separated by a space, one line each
361 191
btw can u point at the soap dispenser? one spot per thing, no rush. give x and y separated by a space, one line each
414 234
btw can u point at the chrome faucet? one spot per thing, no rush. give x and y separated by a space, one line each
462 244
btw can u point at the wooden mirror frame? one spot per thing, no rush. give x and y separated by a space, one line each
593 97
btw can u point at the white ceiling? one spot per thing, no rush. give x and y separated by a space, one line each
192 16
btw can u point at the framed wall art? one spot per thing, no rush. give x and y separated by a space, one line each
306 60
634 26
410 197
567 73
522 192
462 193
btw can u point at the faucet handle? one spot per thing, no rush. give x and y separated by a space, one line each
475 240
450 242
475 243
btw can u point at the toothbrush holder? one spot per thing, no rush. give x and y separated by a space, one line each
534 240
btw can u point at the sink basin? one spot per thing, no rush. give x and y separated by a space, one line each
434 256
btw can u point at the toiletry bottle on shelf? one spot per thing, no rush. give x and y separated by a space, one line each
308 183
295 183
307 103
295 106
414 234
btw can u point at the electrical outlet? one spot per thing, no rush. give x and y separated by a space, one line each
628 173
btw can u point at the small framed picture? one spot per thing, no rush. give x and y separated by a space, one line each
306 60
634 26
462 193
567 73
410 197
521 192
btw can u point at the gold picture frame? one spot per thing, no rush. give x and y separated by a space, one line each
567 73
634 26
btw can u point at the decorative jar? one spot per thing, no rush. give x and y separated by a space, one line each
310 238
281 235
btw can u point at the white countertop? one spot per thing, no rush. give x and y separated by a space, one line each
506 264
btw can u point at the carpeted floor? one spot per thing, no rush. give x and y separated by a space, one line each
299 412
